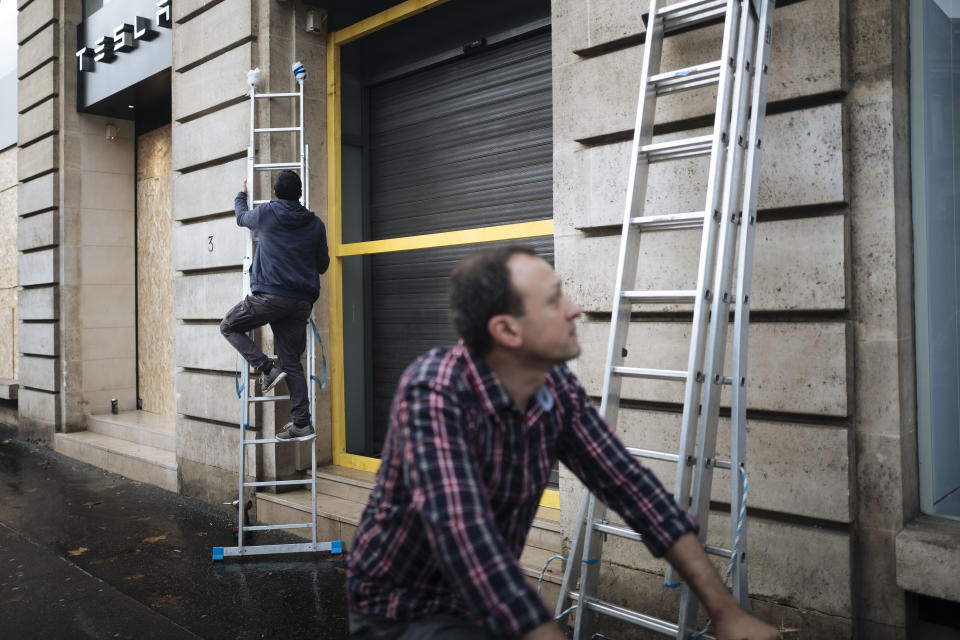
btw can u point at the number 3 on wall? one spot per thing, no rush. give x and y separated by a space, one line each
209 243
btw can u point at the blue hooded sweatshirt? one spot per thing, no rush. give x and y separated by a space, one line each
291 250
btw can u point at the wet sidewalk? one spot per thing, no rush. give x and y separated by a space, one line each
85 553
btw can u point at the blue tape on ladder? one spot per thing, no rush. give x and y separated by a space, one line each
336 547
218 553
590 560
323 356
236 376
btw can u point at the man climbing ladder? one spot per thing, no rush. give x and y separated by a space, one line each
291 253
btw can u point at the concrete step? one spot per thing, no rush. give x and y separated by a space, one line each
8 389
136 461
342 494
139 427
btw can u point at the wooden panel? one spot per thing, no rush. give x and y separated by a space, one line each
155 273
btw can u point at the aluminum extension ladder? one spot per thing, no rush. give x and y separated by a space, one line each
728 228
301 166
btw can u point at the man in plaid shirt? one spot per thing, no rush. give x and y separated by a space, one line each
475 430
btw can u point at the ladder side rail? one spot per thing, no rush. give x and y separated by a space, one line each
701 306
245 375
311 355
313 479
738 410
302 144
590 574
620 317
719 318
633 208
574 557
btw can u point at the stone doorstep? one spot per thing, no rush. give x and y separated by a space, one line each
136 461
8 389
138 427
342 494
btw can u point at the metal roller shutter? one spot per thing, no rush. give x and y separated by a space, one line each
466 144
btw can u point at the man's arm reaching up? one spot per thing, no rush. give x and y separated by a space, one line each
241 208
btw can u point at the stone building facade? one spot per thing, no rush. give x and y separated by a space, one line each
115 302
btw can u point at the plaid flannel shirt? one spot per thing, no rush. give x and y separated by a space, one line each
462 472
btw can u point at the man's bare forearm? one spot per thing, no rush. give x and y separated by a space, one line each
732 623
688 557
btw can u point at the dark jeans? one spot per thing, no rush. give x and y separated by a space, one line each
437 627
288 318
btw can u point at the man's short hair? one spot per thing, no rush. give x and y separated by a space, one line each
287 185
480 288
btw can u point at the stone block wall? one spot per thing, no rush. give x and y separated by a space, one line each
75 236
824 438
215 44
38 164
8 263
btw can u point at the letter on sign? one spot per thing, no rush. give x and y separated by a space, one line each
123 37
85 59
143 30
103 50
163 14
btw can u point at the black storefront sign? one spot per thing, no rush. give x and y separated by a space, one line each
124 39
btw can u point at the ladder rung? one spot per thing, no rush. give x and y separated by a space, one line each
669 221
677 296
268 527
675 149
687 78
628 615
277 95
275 129
623 532
653 374
653 455
722 464
267 398
717 551
276 440
272 166
687 14
276 483
256 202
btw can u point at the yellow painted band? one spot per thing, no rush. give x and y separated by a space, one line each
334 280
449 238
550 497
363 463
383 19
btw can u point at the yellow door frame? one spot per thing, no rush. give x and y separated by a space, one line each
339 251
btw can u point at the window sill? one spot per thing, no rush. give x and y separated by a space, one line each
928 557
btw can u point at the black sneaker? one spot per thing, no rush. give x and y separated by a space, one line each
269 380
293 432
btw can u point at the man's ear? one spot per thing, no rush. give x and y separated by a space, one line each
505 331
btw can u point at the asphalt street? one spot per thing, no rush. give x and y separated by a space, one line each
85 553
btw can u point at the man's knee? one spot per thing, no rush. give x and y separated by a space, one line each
226 329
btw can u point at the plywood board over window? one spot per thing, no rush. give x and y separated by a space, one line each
155 273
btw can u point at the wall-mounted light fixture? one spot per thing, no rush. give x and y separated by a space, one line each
316 21
112 131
